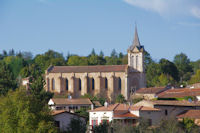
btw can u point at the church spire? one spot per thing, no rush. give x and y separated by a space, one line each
136 41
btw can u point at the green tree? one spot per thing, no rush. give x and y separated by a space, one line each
22 112
96 60
15 64
76 126
195 78
168 68
77 61
49 58
120 99
183 65
7 79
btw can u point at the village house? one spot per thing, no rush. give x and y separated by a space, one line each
107 80
170 108
149 93
70 105
128 114
181 93
191 114
63 118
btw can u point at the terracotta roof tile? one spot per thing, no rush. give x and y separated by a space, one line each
103 108
81 69
97 103
144 108
126 115
152 90
175 103
172 93
190 114
57 112
78 101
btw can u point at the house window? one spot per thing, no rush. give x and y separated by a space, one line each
150 122
53 84
119 83
67 84
166 112
79 81
106 83
58 108
92 83
57 123
94 123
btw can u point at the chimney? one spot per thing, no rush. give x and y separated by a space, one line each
106 104
92 107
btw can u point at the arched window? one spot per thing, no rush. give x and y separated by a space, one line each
47 84
79 81
132 61
67 84
106 83
53 84
119 83
92 83
136 62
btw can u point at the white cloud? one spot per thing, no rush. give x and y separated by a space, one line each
169 7
196 12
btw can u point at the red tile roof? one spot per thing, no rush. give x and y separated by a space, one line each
190 114
57 112
82 69
78 101
175 103
172 93
126 115
152 90
103 108
144 108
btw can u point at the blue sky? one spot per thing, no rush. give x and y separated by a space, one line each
165 27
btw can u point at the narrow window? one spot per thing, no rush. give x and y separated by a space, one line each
48 84
149 122
53 84
67 84
92 83
79 80
106 83
166 112
119 83
136 62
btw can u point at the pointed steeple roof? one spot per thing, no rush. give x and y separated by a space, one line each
136 42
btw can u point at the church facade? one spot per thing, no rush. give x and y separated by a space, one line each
103 80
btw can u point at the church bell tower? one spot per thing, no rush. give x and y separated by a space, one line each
136 54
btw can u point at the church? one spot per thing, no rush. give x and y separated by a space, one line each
103 80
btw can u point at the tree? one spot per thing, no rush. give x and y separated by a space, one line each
22 112
183 65
15 64
168 68
77 61
96 60
101 54
49 58
120 99
195 78
7 79
93 53
76 126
